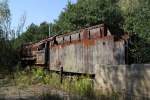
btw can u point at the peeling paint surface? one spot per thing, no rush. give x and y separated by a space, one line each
81 51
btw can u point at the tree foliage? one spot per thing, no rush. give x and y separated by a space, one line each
7 53
90 12
132 16
4 19
137 20
33 33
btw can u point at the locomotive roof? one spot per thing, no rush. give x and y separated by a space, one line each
70 33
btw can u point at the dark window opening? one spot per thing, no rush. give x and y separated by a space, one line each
104 43
70 38
41 46
55 41
100 33
63 39
105 31
79 37
89 35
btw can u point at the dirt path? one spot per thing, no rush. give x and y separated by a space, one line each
35 92
9 91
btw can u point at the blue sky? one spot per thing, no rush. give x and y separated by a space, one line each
36 11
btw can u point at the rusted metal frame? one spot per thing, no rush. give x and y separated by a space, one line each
61 74
101 33
36 44
49 55
79 37
42 65
31 58
65 73
63 35
47 52
78 31
77 41
70 38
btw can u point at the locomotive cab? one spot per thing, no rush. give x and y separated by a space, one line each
27 55
34 54
41 54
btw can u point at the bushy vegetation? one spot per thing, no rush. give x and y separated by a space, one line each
8 55
81 86
78 85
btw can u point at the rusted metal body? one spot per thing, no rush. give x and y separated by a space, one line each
80 51
27 52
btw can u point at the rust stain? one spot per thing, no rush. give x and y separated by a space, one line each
82 49
87 43
58 63
85 34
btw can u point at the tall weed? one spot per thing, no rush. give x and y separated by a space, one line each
79 85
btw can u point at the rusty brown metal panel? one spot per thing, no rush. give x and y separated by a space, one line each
95 33
99 49
81 55
40 57
67 38
81 58
90 62
102 30
105 51
54 61
69 63
84 34
59 40
75 37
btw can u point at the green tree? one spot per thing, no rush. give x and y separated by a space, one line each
4 19
137 16
90 12
137 20
34 33
7 53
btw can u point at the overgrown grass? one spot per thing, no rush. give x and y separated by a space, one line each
79 85
82 86
73 86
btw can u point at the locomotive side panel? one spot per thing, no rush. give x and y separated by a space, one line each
79 52
40 57
84 51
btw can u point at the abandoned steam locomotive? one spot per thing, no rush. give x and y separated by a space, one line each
77 52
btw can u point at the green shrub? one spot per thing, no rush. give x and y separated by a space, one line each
22 79
52 80
79 85
38 73
83 86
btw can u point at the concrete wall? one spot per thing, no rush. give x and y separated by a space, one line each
134 79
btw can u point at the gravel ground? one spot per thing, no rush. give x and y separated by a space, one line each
36 92
9 91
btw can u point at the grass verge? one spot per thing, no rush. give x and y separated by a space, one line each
82 86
